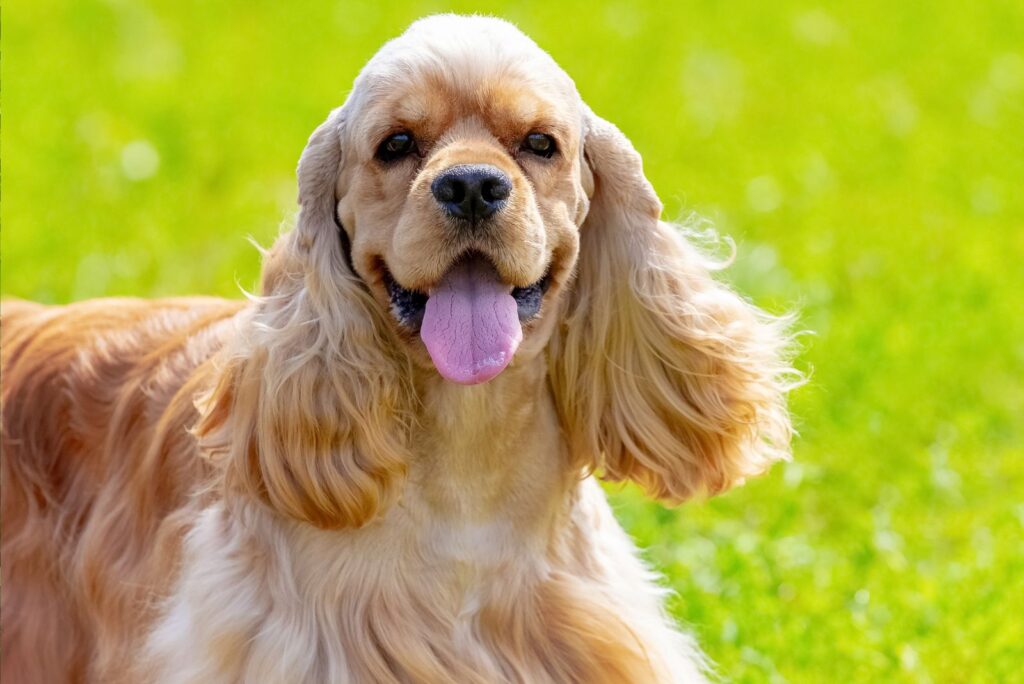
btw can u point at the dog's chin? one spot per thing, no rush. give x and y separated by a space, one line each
471 321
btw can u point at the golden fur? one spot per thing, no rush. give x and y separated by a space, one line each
285 490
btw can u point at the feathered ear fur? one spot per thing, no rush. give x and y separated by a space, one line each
662 375
309 410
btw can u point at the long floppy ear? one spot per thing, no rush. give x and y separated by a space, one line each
308 413
662 375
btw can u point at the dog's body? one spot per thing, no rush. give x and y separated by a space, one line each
490 566
298 490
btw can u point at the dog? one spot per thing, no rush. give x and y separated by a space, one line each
383 467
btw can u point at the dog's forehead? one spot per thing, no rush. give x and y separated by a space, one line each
459 55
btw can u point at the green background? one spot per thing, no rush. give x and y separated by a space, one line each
867 157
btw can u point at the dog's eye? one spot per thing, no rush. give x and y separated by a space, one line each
396 146
540 144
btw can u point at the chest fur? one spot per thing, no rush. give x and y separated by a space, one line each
282 607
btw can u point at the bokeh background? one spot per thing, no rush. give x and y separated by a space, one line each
867 157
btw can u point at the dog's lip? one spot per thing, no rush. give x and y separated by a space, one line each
408 304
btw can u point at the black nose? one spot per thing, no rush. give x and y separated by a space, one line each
471 191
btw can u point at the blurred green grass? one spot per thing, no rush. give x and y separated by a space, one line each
867 157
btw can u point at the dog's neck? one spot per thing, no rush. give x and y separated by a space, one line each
483 454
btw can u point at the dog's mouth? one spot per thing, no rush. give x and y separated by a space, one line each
471 320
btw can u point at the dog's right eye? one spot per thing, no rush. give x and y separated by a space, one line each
396 146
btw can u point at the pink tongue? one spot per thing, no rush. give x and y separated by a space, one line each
471 324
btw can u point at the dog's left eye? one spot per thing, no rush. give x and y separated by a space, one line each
540 144
396 146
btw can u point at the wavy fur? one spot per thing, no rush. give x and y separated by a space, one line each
663 375
311 411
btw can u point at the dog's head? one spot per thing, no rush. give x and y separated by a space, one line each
464 210
455 177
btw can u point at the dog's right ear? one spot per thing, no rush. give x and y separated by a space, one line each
309 413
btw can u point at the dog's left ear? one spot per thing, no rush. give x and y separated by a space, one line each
309 411
662 375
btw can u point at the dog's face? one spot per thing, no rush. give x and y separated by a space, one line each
461 191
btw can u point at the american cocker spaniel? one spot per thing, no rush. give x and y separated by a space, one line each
382 468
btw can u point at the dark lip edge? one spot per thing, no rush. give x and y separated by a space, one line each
544 284
396 291
390 280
